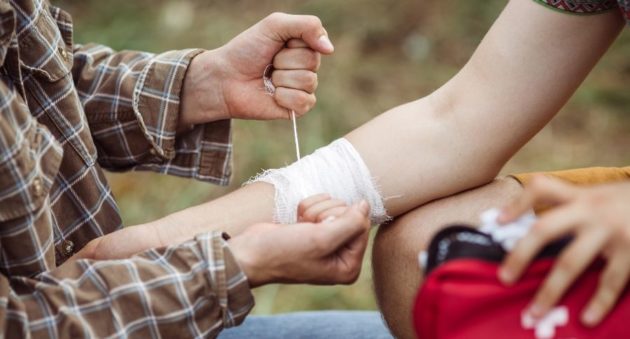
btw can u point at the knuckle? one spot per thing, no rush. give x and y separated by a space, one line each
275 17
301 208
305 105
313 20
309 215
314 60
313 81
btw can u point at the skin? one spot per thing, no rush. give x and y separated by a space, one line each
599 220
325 247
225 83
447 129
397 274
452 140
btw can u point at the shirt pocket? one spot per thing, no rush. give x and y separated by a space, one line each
46 58
28 175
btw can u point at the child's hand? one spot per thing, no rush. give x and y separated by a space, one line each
599 219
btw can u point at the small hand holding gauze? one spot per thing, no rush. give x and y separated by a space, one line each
336 169
507 235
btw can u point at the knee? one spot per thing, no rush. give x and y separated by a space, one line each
397 274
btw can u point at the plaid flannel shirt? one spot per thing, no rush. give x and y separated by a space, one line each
66 113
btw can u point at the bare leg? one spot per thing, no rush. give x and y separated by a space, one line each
396 272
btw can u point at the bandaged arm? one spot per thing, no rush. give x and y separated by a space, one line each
458 137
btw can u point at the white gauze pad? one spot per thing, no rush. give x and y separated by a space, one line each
336 169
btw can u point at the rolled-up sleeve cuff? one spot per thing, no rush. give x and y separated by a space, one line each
227 279
203 153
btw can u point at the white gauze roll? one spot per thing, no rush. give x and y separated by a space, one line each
336 169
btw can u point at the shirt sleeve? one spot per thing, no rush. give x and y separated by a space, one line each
132 102
191 290
581 7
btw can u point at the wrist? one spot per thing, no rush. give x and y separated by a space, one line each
202 99
249 262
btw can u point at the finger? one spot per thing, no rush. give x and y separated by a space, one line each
569 265
302 80
295 100
297 43
346 227
297 58
314 210
551 226
612 283
350 259
331 214
284 27
310 201
541 190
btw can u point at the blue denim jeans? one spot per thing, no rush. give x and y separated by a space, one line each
312 325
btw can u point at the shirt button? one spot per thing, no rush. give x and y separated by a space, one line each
64 53
67 247
38 188
156 153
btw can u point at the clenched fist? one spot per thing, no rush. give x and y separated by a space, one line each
228 82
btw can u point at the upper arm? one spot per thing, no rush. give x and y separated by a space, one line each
526 68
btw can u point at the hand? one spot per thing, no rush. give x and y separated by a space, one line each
228 82
599 219
320 208
328 252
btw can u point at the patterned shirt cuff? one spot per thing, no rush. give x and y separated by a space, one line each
580 7
226 279
204 153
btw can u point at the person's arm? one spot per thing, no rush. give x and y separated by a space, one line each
170 112
194 289
525 69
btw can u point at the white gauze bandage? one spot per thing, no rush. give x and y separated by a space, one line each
336 169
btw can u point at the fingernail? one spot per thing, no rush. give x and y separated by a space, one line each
505 276
589 317
329 218
325 42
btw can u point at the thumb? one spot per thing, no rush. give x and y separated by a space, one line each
284 27
346 227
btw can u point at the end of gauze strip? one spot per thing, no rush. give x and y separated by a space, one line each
336 169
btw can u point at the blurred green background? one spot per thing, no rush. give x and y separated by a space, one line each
387 53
